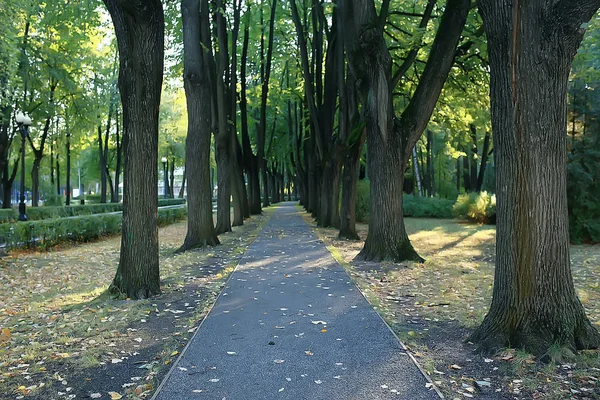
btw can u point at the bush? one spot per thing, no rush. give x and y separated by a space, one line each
419 207
8 215
54 200
170 202
50 212
41 213
50 232
480 207
362 201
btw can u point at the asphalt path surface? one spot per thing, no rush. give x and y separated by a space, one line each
290 324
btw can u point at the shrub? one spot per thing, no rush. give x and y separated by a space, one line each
420 207
362 201
480 207
50 232
170 202
428 207
8 215
54 200
50 212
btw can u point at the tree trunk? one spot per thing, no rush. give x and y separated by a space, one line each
172 179
417 172
201 231
139 27
390 140
473 157
349 182
57 177
182 188
467 170
534 303
7 183
119 154
265 75
223 154
484 160
102 166
68 169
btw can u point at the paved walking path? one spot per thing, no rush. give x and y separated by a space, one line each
290 324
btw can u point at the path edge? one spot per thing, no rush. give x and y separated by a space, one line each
406 350
170 372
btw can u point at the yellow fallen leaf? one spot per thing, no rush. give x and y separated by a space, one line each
115 395
4 335
174 353
323 330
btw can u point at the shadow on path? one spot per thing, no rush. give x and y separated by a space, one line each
290 324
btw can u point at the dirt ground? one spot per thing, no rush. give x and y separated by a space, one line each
433 308
63 337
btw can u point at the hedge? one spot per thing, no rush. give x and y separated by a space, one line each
420 207
8 215
170 202
49 212
50 232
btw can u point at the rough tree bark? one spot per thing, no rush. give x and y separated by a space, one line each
139 27
531 47
201 231
250 162
390 140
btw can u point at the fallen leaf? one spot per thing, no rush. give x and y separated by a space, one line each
115 395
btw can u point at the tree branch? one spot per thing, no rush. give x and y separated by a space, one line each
412 54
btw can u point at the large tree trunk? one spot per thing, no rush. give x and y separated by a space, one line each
139 27
349 183
389 140
201 231
534 303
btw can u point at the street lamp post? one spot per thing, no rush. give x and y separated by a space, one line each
24 122
166 182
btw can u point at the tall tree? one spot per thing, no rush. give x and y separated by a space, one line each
531 47
390 140
139 27
201 231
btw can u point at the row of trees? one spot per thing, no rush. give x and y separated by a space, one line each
288 94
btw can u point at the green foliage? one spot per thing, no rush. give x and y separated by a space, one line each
170 202
53 200
8 215
48 212
480 207
427 207
583 167
362 201
50 232
417 207
41 213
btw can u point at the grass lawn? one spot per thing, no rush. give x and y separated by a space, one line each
434 306
62 336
